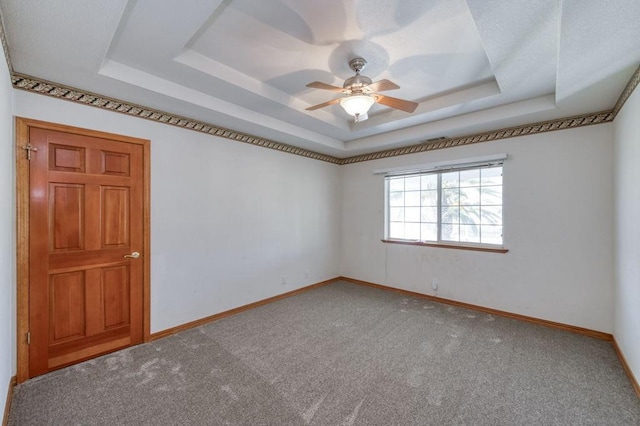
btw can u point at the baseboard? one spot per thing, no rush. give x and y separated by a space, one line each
7 405
215 317
626 368
546 323
533 320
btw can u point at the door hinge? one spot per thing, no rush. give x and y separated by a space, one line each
28 337
29 148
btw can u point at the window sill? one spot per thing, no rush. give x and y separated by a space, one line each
448 246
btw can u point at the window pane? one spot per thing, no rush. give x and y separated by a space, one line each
412 198
450 180
491 195
396 198
429 181
491 176
468 204
396 184
469 233
491 234
450 215
412 231
429 232
429 198
450 197
470 178
412 183
491 215
396 230
412 214
396 214
470 196
450 232
429 214
470 215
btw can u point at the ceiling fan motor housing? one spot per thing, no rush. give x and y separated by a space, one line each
356 82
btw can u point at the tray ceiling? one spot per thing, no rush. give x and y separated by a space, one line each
472 65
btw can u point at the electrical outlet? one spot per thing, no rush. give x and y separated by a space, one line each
434 284
284 280
306 275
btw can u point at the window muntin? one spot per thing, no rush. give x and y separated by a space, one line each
456 206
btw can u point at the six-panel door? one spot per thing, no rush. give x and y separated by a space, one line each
86 215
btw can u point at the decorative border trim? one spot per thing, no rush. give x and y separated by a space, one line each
43 87
628 90
55 90
60 91
510 132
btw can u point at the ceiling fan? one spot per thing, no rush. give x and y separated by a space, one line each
360 93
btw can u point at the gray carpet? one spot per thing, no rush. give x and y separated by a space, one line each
344 355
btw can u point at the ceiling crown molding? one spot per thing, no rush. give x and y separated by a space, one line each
35 85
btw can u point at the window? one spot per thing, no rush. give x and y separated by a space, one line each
462 204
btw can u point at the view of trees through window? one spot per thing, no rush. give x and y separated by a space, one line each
453 206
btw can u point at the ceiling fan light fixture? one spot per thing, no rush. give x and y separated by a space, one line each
357 106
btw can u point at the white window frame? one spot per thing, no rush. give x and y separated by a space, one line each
439 169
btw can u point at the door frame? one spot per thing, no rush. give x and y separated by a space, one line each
22 129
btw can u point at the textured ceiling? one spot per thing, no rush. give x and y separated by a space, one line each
472 65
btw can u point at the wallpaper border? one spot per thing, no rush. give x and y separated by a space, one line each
60 91
48 88
510 132
43 87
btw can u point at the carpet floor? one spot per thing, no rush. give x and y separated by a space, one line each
343 354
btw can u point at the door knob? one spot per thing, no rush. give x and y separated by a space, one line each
133 255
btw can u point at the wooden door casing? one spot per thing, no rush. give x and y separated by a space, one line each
87 208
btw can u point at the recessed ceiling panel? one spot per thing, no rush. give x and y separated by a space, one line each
425 47
471 65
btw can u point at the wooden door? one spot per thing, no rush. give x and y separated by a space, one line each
86 214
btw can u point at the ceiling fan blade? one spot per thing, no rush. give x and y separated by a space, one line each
381 85
401 104
324 104
325 86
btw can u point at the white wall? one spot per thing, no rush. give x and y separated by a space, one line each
228 220
627 231
7 236
558 209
